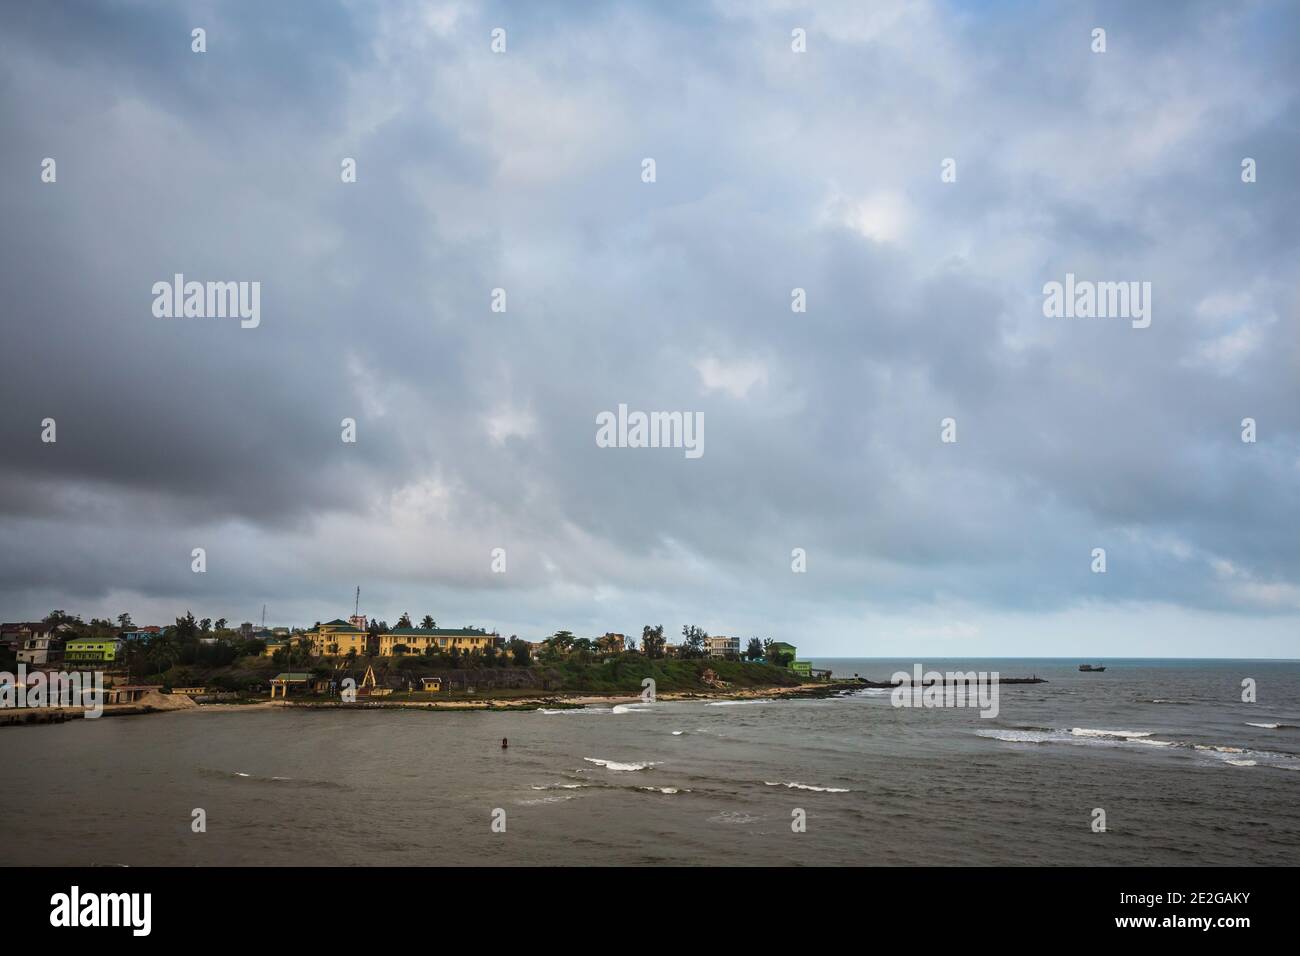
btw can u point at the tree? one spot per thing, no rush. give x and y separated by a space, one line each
205 625
694 641
562 641
428 623
652 640
221 624
404 620
521 652
399 650
755 649
187 629
163 652
124 622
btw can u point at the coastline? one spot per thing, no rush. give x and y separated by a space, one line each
171 703
575 700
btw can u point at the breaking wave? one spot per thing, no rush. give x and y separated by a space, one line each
615 765
1235 756
796 785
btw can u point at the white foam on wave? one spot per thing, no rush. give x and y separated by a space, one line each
574 710
629 709
678 733
1265 726
554 798
1020 736
560 786
615 765
1076 735
734 817
796 785
664 790
737 703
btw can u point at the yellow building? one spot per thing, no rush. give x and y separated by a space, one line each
336 639
417 640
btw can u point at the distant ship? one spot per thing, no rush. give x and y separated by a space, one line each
1092 668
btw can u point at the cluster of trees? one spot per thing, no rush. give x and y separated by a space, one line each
695 644
182 644
564 645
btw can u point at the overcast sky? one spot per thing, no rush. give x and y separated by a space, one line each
775 170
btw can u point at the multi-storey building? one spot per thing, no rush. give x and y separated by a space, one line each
337 638
92 650
417 640
728 647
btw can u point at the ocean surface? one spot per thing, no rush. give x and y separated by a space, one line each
1185 771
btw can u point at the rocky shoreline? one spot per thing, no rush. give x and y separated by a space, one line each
174 703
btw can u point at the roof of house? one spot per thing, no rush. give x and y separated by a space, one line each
292 676
337 623
435 632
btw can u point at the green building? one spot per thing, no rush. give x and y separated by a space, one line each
780 648
88 650
787 653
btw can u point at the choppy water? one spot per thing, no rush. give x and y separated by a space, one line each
1186 772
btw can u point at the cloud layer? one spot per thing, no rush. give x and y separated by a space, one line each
775 171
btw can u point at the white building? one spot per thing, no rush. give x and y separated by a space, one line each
724 647
41 644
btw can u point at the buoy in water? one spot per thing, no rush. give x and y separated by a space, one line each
504 744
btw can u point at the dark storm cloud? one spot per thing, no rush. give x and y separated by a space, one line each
775 171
